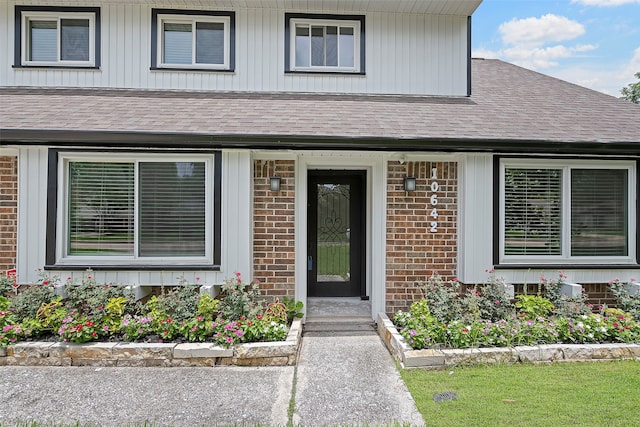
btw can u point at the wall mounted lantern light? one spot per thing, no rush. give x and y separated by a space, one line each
274 183
409 183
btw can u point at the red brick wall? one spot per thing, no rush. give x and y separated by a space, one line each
414 252
274 228
8 211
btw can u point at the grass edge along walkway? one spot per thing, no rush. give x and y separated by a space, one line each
577 394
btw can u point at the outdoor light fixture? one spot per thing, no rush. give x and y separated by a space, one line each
274 183
409 183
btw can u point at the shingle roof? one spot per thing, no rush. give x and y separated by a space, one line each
509 106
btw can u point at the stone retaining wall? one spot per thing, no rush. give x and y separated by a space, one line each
280 353
434 359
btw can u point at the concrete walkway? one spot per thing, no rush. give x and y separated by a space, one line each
340 381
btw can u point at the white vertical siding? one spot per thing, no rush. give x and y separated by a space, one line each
32 212
235 234
405 54
475 217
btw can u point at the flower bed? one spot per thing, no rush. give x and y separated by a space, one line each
178 319
485 317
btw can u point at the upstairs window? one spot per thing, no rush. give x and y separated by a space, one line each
324 43
57 37
192 40
578 211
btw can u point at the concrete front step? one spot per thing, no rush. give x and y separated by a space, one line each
346 325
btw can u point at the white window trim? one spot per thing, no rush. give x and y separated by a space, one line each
566 166
57 16
193 19
293 22
62 230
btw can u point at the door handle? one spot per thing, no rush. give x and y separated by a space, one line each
309 263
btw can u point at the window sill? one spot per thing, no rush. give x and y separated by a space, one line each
567 266
55 67
133 267
202 70
327 72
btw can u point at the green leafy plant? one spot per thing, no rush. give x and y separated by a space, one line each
533 306
294 308
491 299
240 299
9 332
207 307
197 329
27 303
50 315
6 284
136 327
442 297
564 305
91 298
276 312
624 300
78 328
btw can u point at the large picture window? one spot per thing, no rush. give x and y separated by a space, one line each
324 43
582 211
57 37
136 210
192 40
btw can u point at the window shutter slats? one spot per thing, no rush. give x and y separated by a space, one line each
599 220
101 209
177 43
533 211
172 209
43 44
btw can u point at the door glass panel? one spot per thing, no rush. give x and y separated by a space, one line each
333 233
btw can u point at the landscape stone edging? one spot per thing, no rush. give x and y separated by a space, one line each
111 354
434 359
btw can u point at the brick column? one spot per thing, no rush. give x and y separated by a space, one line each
274 228
417 243
8 211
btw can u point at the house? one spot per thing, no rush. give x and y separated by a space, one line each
324 148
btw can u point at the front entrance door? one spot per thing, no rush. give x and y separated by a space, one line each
336 232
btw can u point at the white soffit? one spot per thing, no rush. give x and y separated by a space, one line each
438 7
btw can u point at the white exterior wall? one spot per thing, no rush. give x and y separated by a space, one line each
236 227
406 53
476 235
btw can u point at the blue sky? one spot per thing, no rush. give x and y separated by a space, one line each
593 43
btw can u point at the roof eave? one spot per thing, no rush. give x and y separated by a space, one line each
71 138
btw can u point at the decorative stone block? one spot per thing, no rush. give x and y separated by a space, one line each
529 354
3 351
263 361
194 362
572 290
30 349
612 351
108 363
143 350
200 350
551 352
460 356
423 358
264 349
577 352
94 350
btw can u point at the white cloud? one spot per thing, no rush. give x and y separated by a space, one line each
605 3
533 31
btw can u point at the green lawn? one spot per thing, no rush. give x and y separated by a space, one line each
561 394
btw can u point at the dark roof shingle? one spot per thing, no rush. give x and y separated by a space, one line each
508 103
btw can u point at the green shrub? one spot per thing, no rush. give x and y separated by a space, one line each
533 306
624 300
27 303
442 298
239 299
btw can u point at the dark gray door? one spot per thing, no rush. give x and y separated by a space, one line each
336 231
